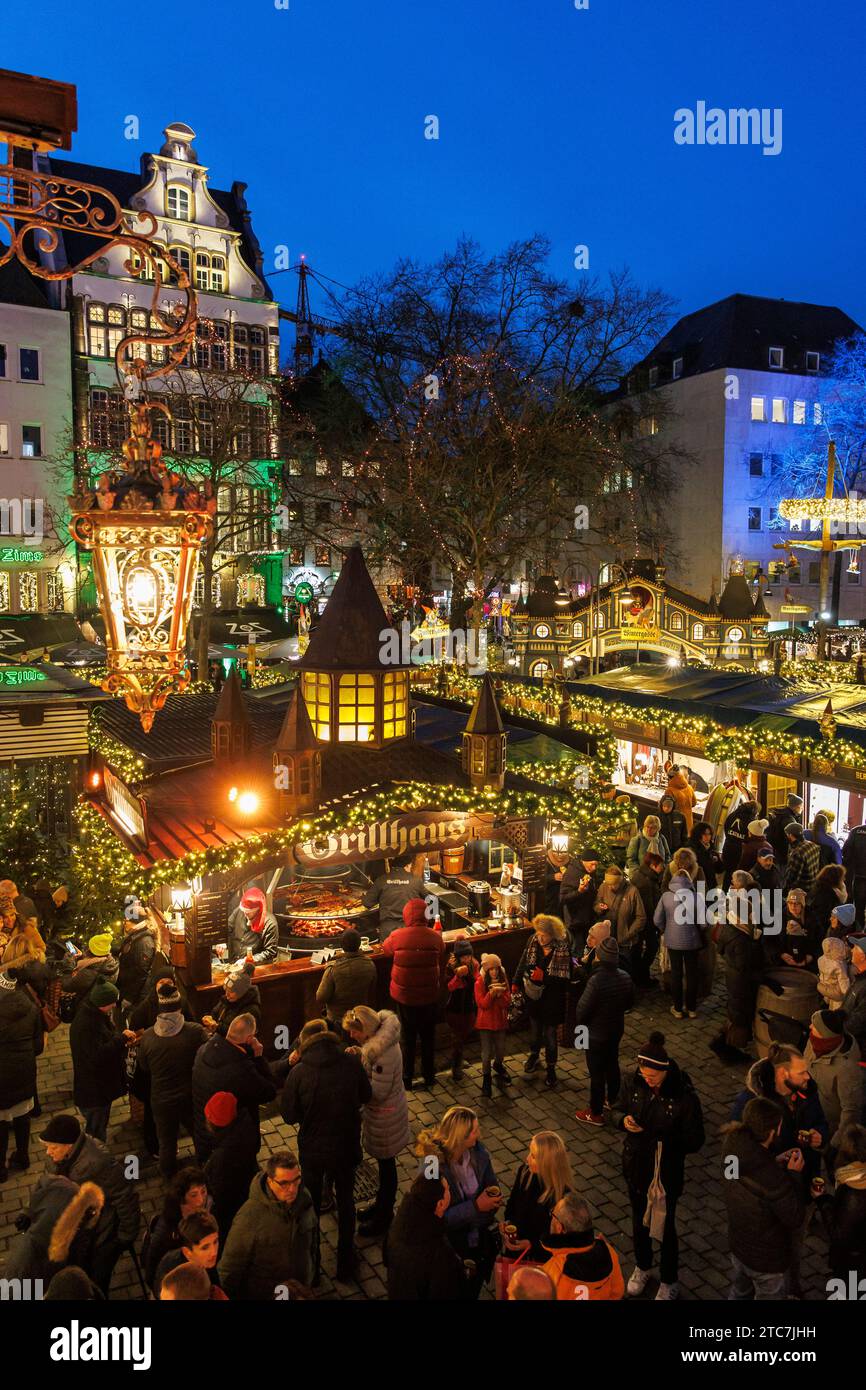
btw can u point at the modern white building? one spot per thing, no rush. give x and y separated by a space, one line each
36 551
741 377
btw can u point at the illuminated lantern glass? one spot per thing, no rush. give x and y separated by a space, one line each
144 566
559 840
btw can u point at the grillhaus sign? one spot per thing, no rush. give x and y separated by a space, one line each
415 830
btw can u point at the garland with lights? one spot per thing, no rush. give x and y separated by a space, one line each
101 872
125 762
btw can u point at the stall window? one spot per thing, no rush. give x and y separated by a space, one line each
356 709
4 591
698 632
676 622
55 592
28 591
394 704
305 777
577 629
317 693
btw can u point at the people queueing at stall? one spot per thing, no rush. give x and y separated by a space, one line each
243 1225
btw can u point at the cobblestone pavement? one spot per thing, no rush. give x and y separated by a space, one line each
507 1122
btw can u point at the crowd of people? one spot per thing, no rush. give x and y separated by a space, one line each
241 1225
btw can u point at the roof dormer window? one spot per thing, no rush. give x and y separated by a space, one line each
677 369
777 358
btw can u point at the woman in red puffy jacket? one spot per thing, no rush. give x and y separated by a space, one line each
492 995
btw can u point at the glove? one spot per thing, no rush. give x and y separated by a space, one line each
537 975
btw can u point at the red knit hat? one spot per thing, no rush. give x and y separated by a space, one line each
415 913
221 1109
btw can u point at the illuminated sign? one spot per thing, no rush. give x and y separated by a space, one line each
21 675
127 809
11 555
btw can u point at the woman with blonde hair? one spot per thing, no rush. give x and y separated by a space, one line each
544 973
649 841
385 1118
542 1180
678 920
454 1145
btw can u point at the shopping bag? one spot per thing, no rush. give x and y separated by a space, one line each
656 1202
504 1267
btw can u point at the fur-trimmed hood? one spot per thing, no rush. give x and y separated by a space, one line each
24 946
83 1211
385 1036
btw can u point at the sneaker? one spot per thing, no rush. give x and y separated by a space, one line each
532 1063
638 1282
677 1013
667 1292
693 1013
586 1117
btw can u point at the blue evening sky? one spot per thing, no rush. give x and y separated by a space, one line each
551 119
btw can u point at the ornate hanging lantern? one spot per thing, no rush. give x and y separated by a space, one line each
145 539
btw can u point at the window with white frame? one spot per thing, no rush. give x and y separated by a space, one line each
813 361
754 519
577 629
676 622
28 364
202 270
698 632
780 410
798 412
178 202
777 358
218 274
759 408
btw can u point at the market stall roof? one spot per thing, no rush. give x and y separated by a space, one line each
21 634
182 734
233 627
38 679
732 697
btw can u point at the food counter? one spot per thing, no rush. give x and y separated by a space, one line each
288 987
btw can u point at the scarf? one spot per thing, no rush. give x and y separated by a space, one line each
653 846
558 962
821 1046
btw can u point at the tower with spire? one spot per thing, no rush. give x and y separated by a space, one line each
297 761
484 741
231 733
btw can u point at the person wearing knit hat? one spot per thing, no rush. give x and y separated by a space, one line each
253 935
755 843
61 1129
240 996
100 944
599 1025
833 1059
620 902
461 973
417 952
166 1053
492 996
842 919
660 1114
221 1109
98 1057
136 954
578 890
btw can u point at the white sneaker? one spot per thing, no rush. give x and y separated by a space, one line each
638 1282
677 1013
667 1292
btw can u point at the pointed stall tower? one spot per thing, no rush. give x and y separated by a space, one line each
297 762
231 734
484 740
353 678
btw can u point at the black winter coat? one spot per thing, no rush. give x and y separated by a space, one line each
21 1042
649 885
323 1095
98 1058
743 961
135 958
802 1111
763 1202
143 1015
604 1003
779 821
854 854
225 1011
528 1213
674 829
736 830
90 1161
423 1266
819 904
169 1062
578 907
231 1168
671 1116
220 1066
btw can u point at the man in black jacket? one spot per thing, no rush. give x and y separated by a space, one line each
423 1266
135 954
763 1200
81 1159
391 892
98 1058
854 859
600 1023
781 818
166 1054
234 1063
232 1164
323 1095
581 881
